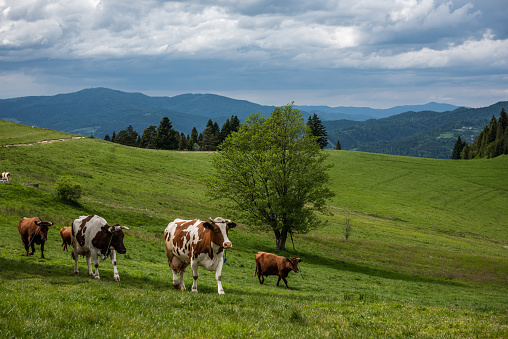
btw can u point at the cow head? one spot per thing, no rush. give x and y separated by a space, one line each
220 227
42 229
293 264
117 238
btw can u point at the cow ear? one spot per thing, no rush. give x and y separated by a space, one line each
231 224
206 224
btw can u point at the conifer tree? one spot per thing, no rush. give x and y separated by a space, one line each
318 130
167 137
337 146
457 149
127 136
148 138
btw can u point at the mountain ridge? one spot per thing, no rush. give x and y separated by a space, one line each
101 111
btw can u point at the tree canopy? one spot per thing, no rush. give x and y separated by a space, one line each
272 174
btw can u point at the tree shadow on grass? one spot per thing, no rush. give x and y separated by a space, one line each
340 265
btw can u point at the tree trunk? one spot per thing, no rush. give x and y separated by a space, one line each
280 239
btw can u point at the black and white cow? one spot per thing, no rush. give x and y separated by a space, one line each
93 237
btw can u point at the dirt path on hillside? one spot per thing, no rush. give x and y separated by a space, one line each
42 142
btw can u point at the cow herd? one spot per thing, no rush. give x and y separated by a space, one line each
188 242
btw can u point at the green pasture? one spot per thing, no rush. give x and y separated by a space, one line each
428 256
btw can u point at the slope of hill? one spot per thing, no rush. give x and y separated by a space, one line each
421 134
427 256
365 113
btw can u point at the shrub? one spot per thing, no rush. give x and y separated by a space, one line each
68 190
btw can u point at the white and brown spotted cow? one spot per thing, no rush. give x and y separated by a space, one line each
6 176
198 243
93 237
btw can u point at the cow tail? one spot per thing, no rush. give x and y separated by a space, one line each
256 271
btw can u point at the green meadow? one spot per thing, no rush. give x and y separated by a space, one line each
427 257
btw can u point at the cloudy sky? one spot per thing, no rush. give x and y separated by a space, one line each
377 53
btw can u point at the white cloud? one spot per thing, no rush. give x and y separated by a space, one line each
255 37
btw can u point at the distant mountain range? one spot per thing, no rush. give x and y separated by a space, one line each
365 113
400 130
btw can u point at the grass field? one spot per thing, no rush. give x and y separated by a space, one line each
428 256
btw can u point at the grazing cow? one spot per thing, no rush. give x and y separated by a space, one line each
271 264
93 237
198 243
6 176
33 231
66 234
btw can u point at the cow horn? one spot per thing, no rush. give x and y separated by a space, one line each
210 218
124 227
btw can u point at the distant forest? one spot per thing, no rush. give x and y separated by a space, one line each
492 141
166 138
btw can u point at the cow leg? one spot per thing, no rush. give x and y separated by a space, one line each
25 243
33 248
285 282
113 262
96 264
75 256
89 264
195 275
42 250
182 282
176 266
176 282
218 277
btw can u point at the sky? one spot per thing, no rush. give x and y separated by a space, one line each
368 53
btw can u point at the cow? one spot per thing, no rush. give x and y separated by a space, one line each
6 176
198 243
66 234
271 264
33 231
93 237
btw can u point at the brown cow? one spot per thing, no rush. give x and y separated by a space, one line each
66 234
33 231
271 264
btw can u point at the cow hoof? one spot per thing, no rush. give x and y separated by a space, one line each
98 278
76 273
117 278
221 292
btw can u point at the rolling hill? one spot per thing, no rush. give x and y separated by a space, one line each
428 255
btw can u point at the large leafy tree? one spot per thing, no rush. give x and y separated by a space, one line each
272 174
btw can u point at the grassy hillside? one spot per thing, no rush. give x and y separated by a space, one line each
420 134
428 256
